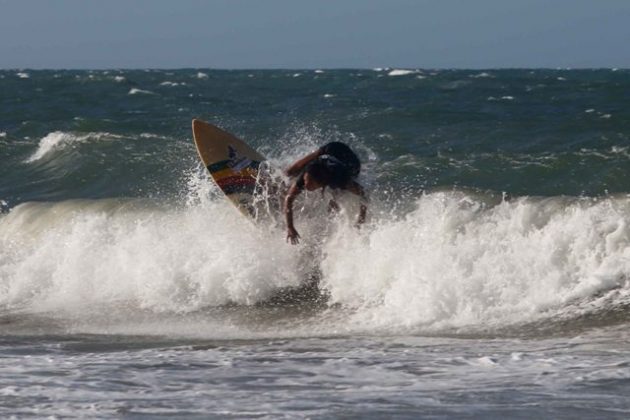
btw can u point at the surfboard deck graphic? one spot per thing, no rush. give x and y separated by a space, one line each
233 165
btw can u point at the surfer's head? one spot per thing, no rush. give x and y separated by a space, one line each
325 172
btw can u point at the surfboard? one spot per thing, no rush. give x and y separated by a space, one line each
232 164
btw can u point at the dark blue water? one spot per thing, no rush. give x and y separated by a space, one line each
524 132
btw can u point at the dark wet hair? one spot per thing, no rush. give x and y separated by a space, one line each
329 172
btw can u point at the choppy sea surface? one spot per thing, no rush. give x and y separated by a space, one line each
491 279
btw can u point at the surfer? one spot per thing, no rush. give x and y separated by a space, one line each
333 165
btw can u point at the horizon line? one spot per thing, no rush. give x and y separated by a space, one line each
557 68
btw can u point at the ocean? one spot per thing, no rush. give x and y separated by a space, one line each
490 281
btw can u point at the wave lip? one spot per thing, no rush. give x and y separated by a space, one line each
136 91
51 142
401 72
58 140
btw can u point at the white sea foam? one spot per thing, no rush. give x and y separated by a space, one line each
3 134
401 72
319 71
329 95
58 140
172 84
73 253
120 79
51 142
152 136
23 75
482 75
136 91
202 75
452 261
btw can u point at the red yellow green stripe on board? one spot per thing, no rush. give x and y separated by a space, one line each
232 164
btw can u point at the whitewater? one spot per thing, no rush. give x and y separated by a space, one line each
489 281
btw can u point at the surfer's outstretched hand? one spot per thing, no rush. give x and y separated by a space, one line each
293 236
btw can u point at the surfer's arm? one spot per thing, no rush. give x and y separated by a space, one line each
297 167
357 189
292 234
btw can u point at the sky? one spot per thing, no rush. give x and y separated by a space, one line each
297 34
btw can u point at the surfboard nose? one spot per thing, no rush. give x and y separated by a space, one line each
199 127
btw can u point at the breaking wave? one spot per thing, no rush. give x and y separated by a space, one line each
454 261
